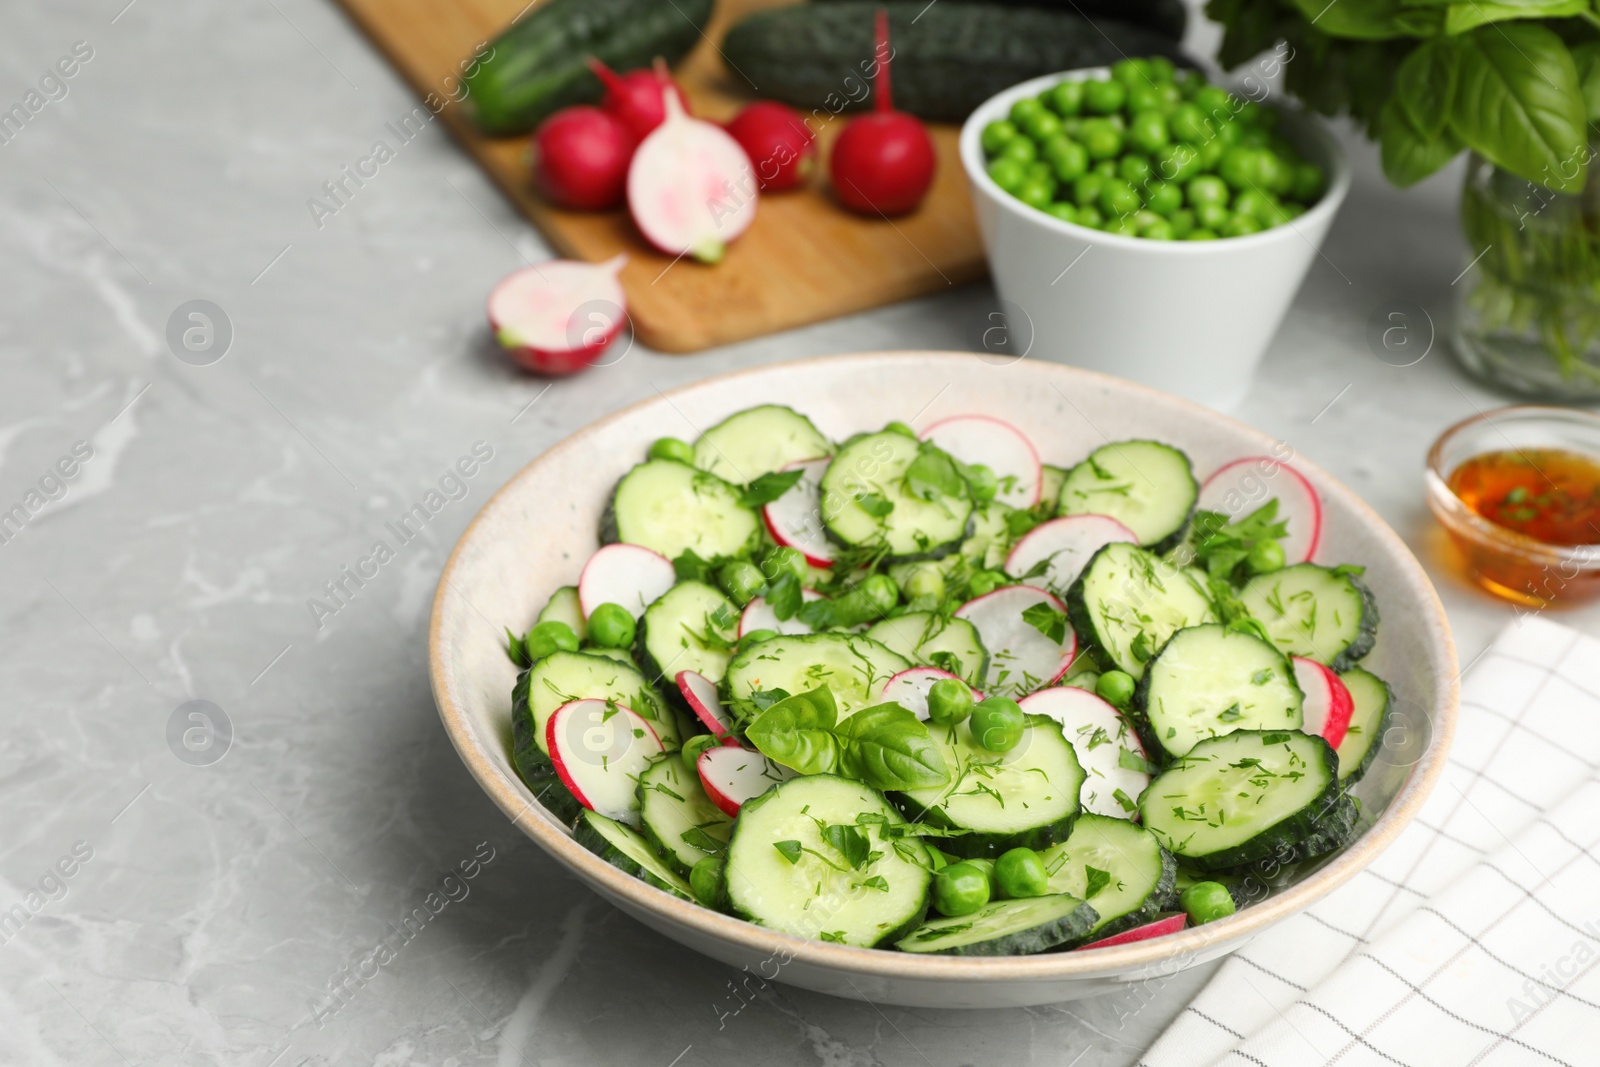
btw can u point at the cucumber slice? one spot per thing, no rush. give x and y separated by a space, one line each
1005 928
1128 601
1209 680
563 677
1051 479
679 819
1027 796
1368 722
1317 612
868 503
936 640
692 628
988 537
1147 486
787 870
1137 876
852 665
626 850
532 761
563 606
757 441
671 507
1247 796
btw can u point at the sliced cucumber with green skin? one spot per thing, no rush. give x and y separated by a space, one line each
1147 486
1321 613
563 677
1051 479
936 640
853 666
692 628
670 508
757 441
1006 928
680 821
1209 680
563 606
1370 719
989 538
867 503
1002 800
532 761
1136 877
1128 601
1247 796
625 849
786 869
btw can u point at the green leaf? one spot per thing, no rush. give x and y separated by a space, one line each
1470 14
878 882
1047 620
1586 57
1129 760
790 850
934 474
1221 546
1518 103
768 487
689 567
797 732
875 505
1094 880
850 843
784 595
1408 157
1425 84
887 747
1371 20
517 650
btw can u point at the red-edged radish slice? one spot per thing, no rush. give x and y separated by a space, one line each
1100 736
758 615
1245 484
557 317
599 750
732 776
1328 705
1064 546
690 186
700 693
795 518
910 688
1021 657
998 445
630 575
1172 924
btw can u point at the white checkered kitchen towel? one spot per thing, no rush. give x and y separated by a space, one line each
1475 939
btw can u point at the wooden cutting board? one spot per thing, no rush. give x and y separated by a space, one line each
804 260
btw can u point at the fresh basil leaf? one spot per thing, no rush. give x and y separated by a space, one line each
1519 105
1425 83
695 837
784 595
1094 880
1586 57
888 747
819 614
1047 620
1408 156
1470 14
849 842
934 474
1371 20
875 505
790 850
689 567
878 882
798 732
769 487
765 698
517 651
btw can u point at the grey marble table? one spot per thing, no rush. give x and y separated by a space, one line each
262 908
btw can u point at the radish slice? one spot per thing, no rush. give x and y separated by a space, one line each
557 317
758 615
690 186
1245 484
998 445
599 749
1101 737
1064 546
1172 924
700 693
795 518
1328 705
630 575
732 776
1021 658
910 688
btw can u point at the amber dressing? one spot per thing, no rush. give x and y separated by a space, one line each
1551 495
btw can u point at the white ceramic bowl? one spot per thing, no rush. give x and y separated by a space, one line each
536 532
1190 317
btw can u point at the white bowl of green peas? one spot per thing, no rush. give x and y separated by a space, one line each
1141 222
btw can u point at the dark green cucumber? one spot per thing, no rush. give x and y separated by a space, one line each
532 762
625 849
1373 701
1006 928
1325 614
539 65
1137 876
1167 17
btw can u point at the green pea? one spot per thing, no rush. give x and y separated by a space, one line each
705 880
1119 198
693 749
548 637
1240 167
1036 193
1100 139
1240 226
1182 222
1144 218
1115 687
1106 168
1086 190
1008 174
1188 123
1022 109
1067 98
997 724
1039 171
1210 216
1158 231
1253 137
755 637
1189 82
741 580
1206 189
782 559
1020 872
1131 72
960 889
1277 173
1122 225
1206 902
1265 557
1062 210
1228 131
949 702
1254 203
1089 215
1163 198
1309 183
1160 69
982 483
1210 153
672 448
1134 169
611 626
1067 158
1104 97
882 590
1147 131
925 580
985 582
1020 149
1201 234
1215 101
1042 125
996 134
1145 97
1293 211
1177 162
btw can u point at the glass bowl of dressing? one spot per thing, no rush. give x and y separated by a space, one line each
1518 490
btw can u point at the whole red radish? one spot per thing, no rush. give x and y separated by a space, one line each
634 98
581 157
883 163
556 318
777 140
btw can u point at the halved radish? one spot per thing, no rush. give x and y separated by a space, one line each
1101 737
1245 484
795 518
557 317
732 776
758 615
1063 546
910 688
599 749
998 445
690 186
1172 924
1022 658
1328 705
700 693
630 575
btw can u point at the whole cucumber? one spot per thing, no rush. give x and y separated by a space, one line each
538 66
1164 16
948 57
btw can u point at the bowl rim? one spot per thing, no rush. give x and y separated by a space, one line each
887 964
1319 214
